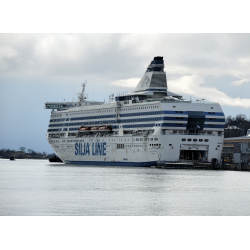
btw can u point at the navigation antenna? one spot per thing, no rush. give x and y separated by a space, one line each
81 96
111 97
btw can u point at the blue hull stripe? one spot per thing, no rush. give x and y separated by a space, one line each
153 90
215 113
108 163
213 126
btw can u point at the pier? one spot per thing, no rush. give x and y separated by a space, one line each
202 166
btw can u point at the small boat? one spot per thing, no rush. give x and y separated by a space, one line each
55 159
12 158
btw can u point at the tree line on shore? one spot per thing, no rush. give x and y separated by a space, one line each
239 121
22 153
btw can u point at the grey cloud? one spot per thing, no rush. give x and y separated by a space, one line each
121 56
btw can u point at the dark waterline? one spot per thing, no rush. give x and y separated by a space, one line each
37 187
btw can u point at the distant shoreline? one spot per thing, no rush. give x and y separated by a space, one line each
7 153
4 158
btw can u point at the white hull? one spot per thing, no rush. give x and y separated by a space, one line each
132 152
147 126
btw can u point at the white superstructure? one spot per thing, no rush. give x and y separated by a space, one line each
138 129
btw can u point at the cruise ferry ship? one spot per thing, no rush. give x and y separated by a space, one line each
143 128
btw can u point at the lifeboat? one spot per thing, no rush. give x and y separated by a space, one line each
105 128
84 129
94 129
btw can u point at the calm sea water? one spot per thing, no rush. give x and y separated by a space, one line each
37 187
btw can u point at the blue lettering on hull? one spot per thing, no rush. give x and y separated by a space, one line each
98 149
76 148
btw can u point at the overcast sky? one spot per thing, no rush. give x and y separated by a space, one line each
35 68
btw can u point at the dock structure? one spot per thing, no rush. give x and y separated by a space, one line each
202 166
183 165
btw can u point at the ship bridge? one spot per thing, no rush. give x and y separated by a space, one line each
59 105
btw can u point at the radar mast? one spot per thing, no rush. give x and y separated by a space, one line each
82 96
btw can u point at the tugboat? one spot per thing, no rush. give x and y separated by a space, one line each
55 159
12 158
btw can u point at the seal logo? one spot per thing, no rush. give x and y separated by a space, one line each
145 82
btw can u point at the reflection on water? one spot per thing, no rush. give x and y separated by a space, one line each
29 187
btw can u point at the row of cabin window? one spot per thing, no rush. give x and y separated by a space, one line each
140 120
135 108
56 115
138 114
124 109
122 145
120 121
58 120
110 116
104 117
131 120
200 140
141 139
89 112
91 117
81 123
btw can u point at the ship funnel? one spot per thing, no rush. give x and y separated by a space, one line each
154 78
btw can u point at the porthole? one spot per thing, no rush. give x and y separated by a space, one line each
194 139
206 140
200 140
189 139
183 139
